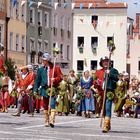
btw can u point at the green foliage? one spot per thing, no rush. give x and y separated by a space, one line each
11 70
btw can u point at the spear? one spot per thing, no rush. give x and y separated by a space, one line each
111 49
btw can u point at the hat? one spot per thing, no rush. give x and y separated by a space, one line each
102 59
46 56
23 67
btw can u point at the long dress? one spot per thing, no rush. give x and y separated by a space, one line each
89 99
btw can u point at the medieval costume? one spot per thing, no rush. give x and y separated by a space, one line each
120 92
86 82
62 99
110 87
43 81
24 88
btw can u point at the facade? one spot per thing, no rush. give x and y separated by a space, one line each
92 30
2 24
135 49
17 32
62 33
38 31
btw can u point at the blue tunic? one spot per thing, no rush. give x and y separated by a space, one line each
88 102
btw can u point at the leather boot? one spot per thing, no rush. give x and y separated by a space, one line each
106 126
52 117
46 118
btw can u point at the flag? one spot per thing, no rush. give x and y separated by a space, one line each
90 5
121 24
30 3
81 5
14 2
55 5
72 6
23 2
39 3
65 5
107 23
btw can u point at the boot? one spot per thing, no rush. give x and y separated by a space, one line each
16 114
6 110
52 118
46 118
3 109
106 127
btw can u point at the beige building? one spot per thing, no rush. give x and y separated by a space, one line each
17 32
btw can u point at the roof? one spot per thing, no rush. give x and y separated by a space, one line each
99 4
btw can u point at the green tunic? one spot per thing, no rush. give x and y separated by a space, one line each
63 104
120 93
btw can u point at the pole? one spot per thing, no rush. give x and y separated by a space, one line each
111 49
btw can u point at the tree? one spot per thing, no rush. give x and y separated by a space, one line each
11 69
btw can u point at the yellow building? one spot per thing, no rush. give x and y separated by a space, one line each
17 32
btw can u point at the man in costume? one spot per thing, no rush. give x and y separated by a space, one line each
24 88
44 79
111 86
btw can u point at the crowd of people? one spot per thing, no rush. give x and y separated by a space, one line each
49 90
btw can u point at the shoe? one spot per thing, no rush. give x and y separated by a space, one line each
46 115
16 115
38 111
107 125
51 125
6 111
31 115
24 111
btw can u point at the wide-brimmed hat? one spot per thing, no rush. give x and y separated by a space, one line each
46 56
102 59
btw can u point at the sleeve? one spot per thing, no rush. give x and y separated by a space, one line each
37 80
58 76
32 79
114 75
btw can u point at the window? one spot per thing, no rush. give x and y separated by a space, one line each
23 12
46 46
39 45
139 65
80 42
80 65
32 44
17 10
94 18
40 18
17 42
32 20
23 43
46 18
68 52
0 33
11 8
11 41
93 65
94 42
108 39
62 22
61 51
55 21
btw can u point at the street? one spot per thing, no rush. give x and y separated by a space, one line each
66 128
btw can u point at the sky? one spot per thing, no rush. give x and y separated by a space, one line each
133 7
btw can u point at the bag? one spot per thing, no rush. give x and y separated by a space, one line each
88 94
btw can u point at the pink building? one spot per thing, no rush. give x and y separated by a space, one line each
134 59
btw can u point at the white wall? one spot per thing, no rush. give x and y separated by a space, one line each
117 26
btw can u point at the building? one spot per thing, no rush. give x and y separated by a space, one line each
38 31
17 31
62 33
95 23
135 49
2 24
